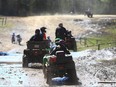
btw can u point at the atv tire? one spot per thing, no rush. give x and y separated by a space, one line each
73 79
25 62
49 76
90 15
45 71
74 46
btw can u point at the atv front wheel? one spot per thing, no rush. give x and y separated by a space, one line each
73 79
45 71
74 46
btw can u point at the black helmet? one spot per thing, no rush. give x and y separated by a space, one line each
37 31
59 41
43 29
60 24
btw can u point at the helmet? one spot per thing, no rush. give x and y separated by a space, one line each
37 31
60 24
59 41
43 29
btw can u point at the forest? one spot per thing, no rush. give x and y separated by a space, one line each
40 7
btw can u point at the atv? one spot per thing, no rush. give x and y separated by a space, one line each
70 41
59 65
89 14
35 52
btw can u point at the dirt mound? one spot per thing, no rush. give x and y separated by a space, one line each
97 67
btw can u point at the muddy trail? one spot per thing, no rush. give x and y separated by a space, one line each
94 72
90 69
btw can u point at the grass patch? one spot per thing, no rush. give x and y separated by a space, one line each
105 40
8 25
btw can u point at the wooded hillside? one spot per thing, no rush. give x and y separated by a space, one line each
35 7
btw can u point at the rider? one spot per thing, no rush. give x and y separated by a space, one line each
19 39
60 46
37 36
43 32
61 32
13 38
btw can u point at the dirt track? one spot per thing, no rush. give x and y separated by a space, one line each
89 72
